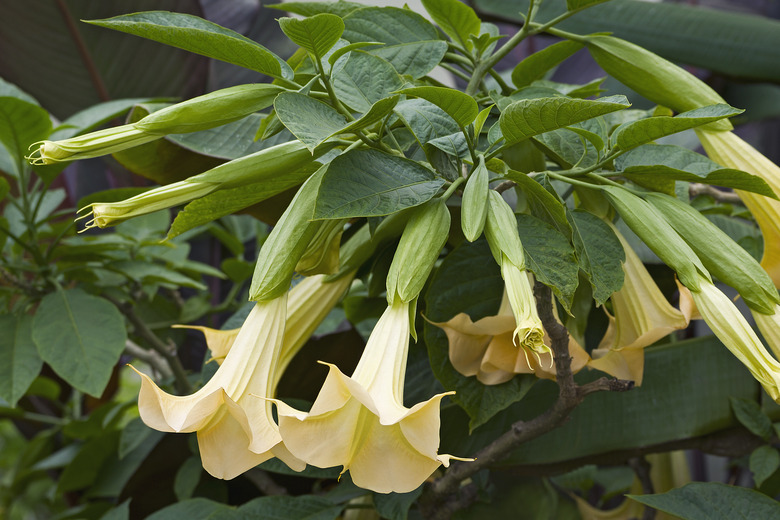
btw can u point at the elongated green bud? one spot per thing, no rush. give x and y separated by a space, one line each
420 245
653 77
475 202
200 113
322 254
501 232
650 226
719 253
259 166
286 244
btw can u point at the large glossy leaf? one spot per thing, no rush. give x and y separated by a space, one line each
538 64
459 106
456 19
414 58
317 34
80 336
363 79
528 117
77 65
200 36
21 364
427 121
637 133
367 183
478 295
389 25
712 501
21 124
658 166
599 252
310 120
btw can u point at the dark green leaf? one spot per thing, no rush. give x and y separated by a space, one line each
21 362
658 166
81 337
94 116
712 501
317 34
636 133
340 8
529 117
764 461
120 512
364 183
21 124
193 509
395 506
599 252
550 257
479 295
427 121
573 5
115 473
187 478
305 507
363 79
133 435
197 35
567 148
537 65
413 58
749 414
459 106
390 25
149 273
308 119
542 203
456 19
85 466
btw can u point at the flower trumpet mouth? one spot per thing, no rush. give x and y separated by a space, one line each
94 144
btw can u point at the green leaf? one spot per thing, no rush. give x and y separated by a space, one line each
456 19
21 362
712 501
395 506
658 166
82 471
567 148
529 117
542 203
21 124
390 25
120 512
94 116
479 295
224 202
317 34
305 507
575 5
81 337
145 272
749 414
308 119
426 121
368 183
134 434
193 509
538 64
599 252
550 257
340 8
415 59
363 79
636 133
187 478
197 35
764 461
461 107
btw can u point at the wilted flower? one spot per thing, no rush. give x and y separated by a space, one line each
360 422
728 149
235 430
641 315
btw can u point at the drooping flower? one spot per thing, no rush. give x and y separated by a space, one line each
728 149
735 333
769 325
486 348
641 315
236 431
361 423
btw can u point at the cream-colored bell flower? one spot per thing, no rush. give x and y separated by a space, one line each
360 422
641 315
529 333
769 325
733 330
728 149
236 431
486 348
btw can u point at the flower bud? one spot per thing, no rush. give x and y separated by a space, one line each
719 253
501 231
658 234
322 254
421 242
475 202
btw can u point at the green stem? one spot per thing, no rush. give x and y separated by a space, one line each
452 187
505 88
452 70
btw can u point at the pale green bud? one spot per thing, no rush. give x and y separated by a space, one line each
420 245
501 231
475 202
719 253
650 226
322 254
653 77
87 146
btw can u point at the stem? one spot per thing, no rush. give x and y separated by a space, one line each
505 88
452 187
462 75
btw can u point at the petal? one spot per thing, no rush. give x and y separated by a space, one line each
625 363
218 341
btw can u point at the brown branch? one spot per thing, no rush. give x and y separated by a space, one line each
446 495
152 358
501 188
721 196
